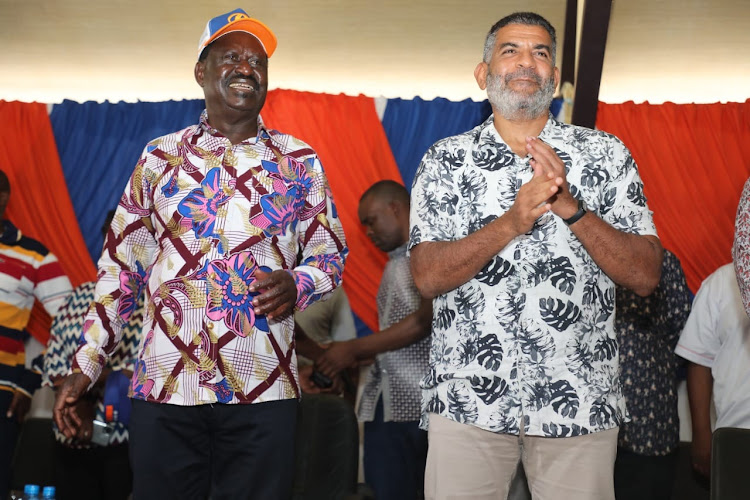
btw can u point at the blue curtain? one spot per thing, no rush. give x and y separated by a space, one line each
100 143
413 125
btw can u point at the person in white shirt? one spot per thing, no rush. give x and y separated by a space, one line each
716 342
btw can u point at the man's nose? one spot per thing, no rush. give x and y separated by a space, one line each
526 59
244 67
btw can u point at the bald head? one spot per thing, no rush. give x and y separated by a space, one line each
384 214
387 191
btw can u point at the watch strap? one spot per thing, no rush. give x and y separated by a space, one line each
576 216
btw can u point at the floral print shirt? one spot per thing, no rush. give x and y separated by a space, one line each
198 218
647 330
530 340
741 247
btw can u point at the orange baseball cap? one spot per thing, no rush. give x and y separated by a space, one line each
237 20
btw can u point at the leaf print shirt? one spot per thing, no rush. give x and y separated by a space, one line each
530 340
198 218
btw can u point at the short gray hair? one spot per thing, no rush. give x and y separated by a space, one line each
525 18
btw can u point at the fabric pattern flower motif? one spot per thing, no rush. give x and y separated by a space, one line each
229 295
140 384
131 284
199 208
291 185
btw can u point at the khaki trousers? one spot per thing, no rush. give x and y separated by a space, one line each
468 463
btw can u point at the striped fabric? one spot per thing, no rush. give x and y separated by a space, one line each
28 271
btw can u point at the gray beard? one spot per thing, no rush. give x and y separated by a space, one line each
518 106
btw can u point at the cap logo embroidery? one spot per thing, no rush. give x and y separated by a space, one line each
237 16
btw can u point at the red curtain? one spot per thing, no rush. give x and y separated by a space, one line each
349 138
694 160
39 203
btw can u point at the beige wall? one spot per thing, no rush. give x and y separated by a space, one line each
681 50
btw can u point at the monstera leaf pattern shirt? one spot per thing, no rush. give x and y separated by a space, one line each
529 342
198 218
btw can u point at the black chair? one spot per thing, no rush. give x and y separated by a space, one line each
730 458
33 460
327 449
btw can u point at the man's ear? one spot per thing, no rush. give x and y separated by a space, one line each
199 72
480 74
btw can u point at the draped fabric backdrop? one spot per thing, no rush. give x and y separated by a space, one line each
693 160
39 202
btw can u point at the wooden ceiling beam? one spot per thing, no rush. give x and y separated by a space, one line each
596 15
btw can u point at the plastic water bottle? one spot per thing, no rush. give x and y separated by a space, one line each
31 492
48 493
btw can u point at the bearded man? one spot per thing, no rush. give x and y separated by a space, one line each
520 229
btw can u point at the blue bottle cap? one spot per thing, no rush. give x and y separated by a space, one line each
31 489
48 492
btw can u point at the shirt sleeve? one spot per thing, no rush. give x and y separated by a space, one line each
624 204
433 197
741 247
52 285
699 341
321 239
674 301
129 251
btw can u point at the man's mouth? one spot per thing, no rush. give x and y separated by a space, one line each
242 85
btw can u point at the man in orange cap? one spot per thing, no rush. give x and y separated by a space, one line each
229 227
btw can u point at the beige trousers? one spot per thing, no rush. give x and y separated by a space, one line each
468 463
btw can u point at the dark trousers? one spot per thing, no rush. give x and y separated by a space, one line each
225 451
106 471
641 477
395 454
8 436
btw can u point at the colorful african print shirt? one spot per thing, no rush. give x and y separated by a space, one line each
647 330
530 340
741 247
198 218
28 271
65 336
395 375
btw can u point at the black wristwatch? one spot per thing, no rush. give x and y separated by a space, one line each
580 213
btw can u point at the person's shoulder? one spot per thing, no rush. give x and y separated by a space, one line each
580 134
288 144
32 245
466 138
171 138
715 286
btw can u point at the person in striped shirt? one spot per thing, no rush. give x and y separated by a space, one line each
28 271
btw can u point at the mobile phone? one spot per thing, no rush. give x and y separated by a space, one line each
101 433
321 380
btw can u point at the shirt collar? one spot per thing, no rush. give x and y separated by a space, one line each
11 234
398 252
487 129
262 131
